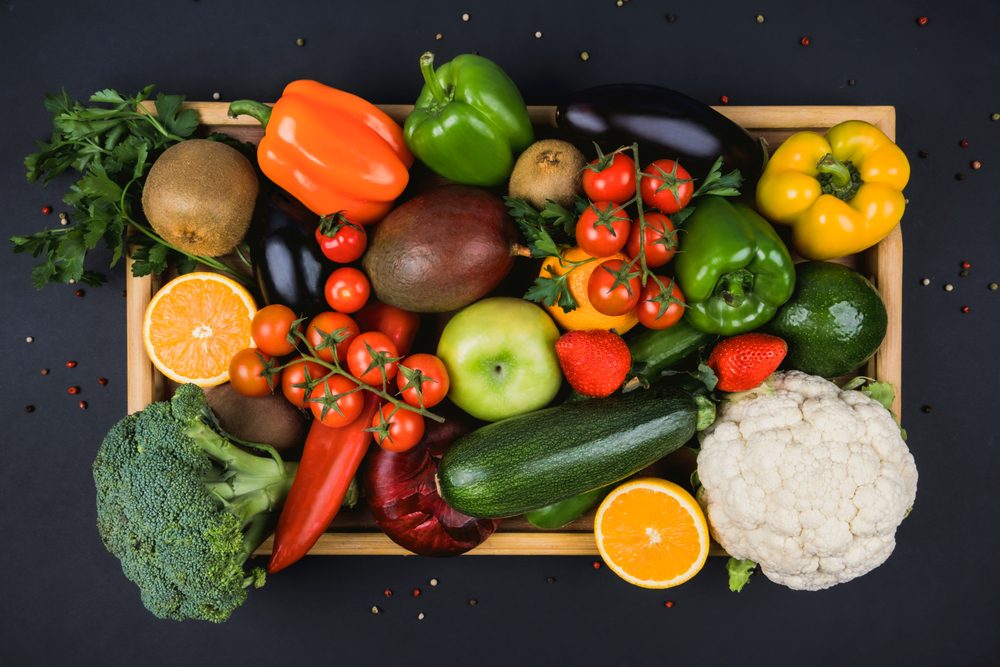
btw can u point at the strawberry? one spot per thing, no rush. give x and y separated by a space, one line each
595 362
745 361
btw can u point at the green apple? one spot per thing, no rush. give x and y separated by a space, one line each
501 358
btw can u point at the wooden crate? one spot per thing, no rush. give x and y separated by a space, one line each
353 532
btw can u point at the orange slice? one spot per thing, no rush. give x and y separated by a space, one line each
195 324
586 316
652 533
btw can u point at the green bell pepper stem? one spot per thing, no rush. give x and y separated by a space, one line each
257 110
733 286
433 85
837 169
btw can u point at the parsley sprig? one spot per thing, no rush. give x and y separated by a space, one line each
113 147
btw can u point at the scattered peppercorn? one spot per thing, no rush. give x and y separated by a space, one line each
925 281
62 216
993 286
72 281
671 18
29 339
29 408
538 35
927 408
668 604
416 592
83 405
965 265
959 177
434 582
46 210
620 3
963 143
966 309
70 364
804 41
922 20
80 292
760 18
388 593
420 616
475 53
216 96
584 56
473 602
995 116
850 82
551 580
963 273
724 99
437 36
597 565
922 154
124 293
64 221
465 17
976 164
376 610
103 381
300 42
74 390
948 288
45 371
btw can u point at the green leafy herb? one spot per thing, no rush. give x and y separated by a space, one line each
112 147
552 290
717 184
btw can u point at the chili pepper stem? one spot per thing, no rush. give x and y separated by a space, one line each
257 110
837 169
840 179
433 85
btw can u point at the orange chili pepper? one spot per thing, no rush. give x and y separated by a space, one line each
331 150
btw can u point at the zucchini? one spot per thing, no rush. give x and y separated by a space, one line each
536 459
654 351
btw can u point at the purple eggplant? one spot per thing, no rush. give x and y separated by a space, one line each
666 124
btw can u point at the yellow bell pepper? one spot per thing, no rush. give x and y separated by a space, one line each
841 192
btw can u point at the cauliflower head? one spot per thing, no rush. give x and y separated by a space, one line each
808 481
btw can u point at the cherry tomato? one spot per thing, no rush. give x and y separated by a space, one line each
662 174
341 240
322 328
347 290
322 399
270 327
657 253
405 428
246 373
295 374
359 357
399 325
608 298
616 182
602 234
648 309
433 387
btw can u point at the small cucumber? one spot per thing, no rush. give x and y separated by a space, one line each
527 462
559 514
654 351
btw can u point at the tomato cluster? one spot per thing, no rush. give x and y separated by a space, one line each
604 229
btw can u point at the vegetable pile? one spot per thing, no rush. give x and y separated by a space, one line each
459 358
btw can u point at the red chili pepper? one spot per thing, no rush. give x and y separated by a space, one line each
330 459
399 325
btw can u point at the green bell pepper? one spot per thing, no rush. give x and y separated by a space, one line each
469 121
732 267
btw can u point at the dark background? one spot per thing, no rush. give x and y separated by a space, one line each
64 600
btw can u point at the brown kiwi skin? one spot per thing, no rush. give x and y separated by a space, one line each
200 195
548 169
269 420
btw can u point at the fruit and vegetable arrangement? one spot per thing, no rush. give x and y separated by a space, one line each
525 338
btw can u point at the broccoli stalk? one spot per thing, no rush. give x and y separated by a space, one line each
183 507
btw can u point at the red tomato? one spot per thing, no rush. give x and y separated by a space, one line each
665 178
433 386
324 328
405 428
363 365
347 290
247 373
648 308
608 298
601 233
399 325
616 182
295 374
324 397
270 327
341 240
657 253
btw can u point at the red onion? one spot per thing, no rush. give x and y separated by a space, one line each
403 497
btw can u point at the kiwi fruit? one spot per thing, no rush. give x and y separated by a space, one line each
200 195
549 169
269 420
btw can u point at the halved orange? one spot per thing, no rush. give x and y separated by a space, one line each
652 533
585 317
195 324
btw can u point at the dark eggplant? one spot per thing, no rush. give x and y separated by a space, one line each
665 123
289 266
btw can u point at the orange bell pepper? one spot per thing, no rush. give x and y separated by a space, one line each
331 150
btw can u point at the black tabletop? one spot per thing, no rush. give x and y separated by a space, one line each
64 600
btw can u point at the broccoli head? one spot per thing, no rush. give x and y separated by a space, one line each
183 508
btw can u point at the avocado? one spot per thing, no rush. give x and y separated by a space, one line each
834 321
200 195
441 250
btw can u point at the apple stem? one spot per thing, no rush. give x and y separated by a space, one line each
518 249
